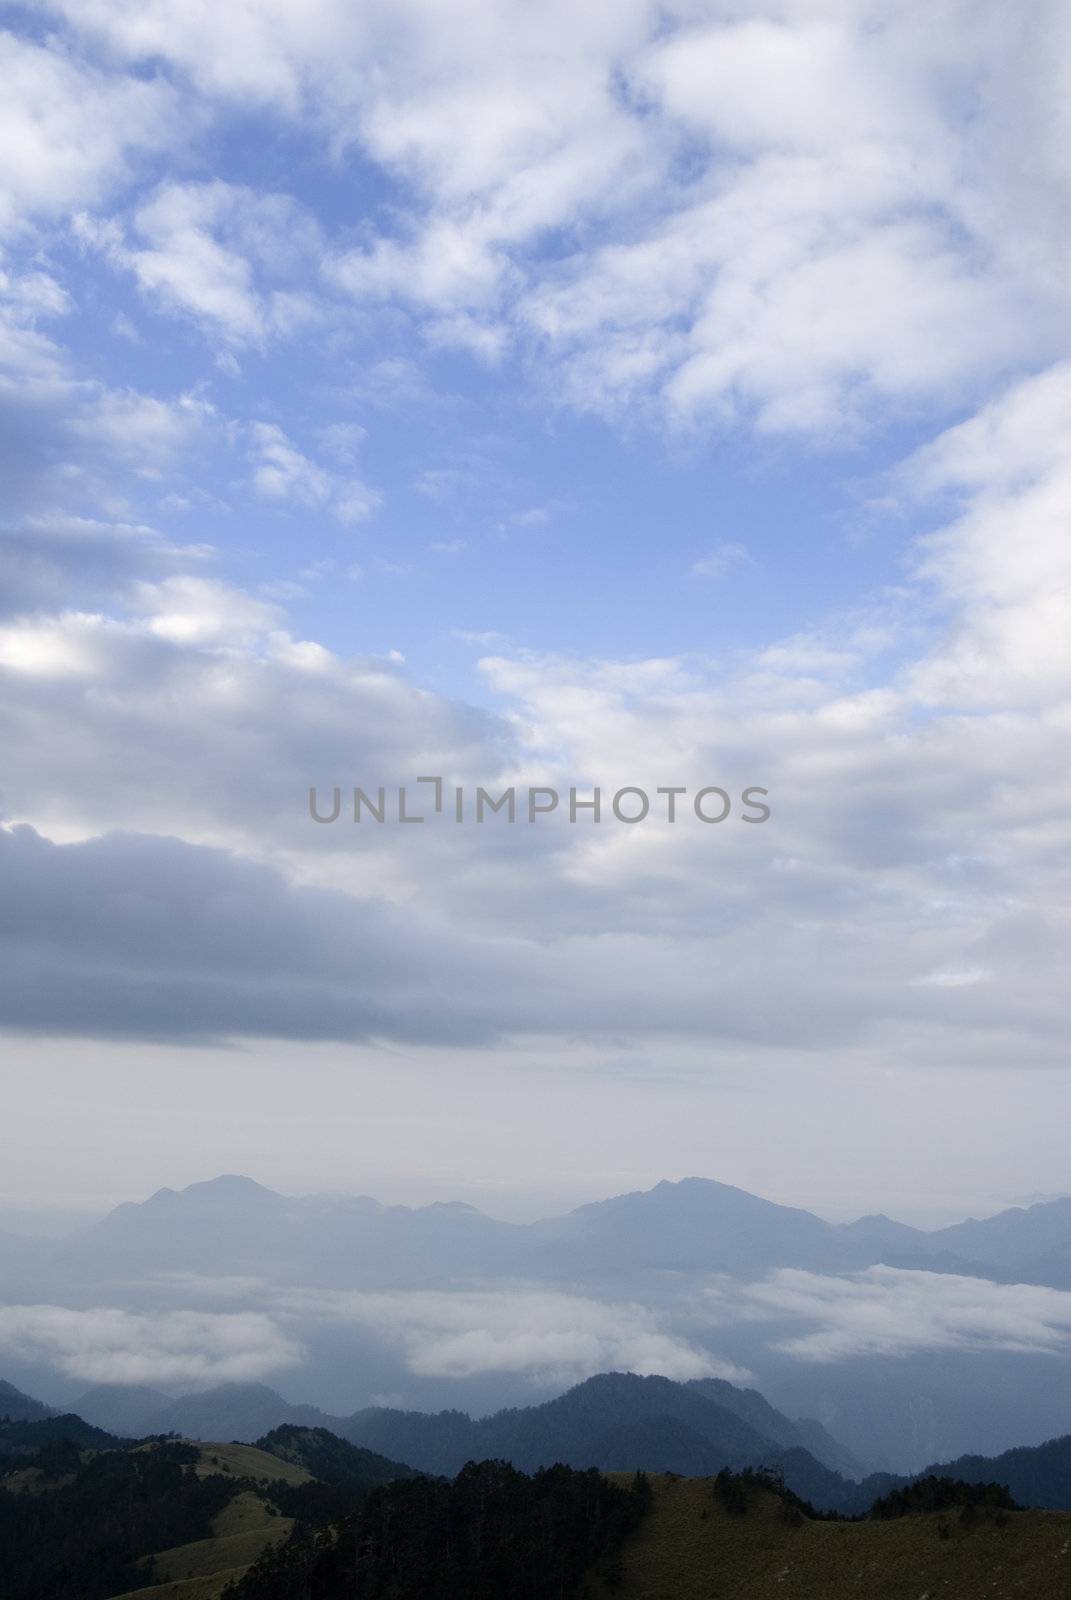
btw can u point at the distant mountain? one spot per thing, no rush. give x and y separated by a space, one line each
232 1226
693 1225
19 1439
18 1407
1037 1476
617 1421
803 1433
124 1409
232 1242
227 1411
240 1411
731 1425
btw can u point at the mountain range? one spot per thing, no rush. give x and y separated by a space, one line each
357 1304
745 1427
614 1421
233 1225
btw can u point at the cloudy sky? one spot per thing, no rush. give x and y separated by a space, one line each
637 396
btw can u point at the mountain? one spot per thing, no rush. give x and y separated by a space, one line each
126 1409
700 1425
1037 1475
233 1411
619 1422
18 1407
614 1421
24 1439
331 1459
241 1411
233 1227
694 1225
232 1243
805 1433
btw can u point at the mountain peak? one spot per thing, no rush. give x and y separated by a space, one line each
229 1183
227 1187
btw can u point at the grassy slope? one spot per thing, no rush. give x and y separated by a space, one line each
189 1589
201 1570
246 1461
682 1555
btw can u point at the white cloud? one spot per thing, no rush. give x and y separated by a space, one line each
222 253
1004 564
720 561
140 428
785 216
52 649
621 193
886 1311
199 611
103 1345
68 132
549 1337
283 473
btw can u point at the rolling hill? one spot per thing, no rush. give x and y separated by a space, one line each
690 1547
82 1513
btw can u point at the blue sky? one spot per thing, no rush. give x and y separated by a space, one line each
496 510
634 396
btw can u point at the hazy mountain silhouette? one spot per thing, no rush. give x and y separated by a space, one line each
231 1243
734 1426
614 1421
803 1432
18 1407
1037 1475
233 1226
227 1411
602 1422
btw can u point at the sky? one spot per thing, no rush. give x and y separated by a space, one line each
624 397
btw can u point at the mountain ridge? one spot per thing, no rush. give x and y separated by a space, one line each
691 1224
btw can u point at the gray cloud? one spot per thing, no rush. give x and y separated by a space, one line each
59 561
156 938
152 937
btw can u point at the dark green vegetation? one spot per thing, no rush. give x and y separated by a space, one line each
85 1515
21 1439
494 1534
1037 1475
306 1515
490 1534
75 1525
340 1474
333 1460
944 1494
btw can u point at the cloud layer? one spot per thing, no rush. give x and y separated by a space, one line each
888 1312
778 229
105 1345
